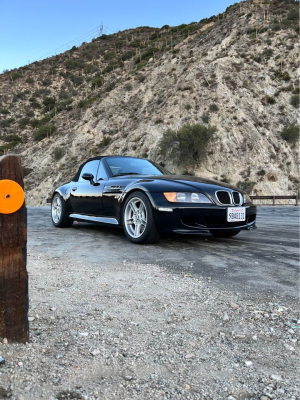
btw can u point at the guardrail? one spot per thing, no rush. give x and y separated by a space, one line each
274 198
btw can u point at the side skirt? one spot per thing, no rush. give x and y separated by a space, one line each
103 220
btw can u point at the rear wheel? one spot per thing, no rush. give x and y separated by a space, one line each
58 212
225 234
138 219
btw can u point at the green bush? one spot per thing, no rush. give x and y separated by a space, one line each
110 87
74 63
29 80
147 54
11 138
127 55
46 82
110 67
97 81
6 122
140 78
26 171
246 186
293 14
262 172
295 100
40 92
205 117
76 80
15 75
58 153
141 65
188 145
4 111
128 87
270 100
291 133
24 122
49 103
105 141
44 131
90 69
213 108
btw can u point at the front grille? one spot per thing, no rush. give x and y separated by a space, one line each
223 197
236 198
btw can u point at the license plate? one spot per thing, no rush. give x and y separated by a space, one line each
236 214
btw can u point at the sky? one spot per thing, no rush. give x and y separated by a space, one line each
32 30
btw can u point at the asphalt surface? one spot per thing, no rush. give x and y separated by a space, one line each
259 263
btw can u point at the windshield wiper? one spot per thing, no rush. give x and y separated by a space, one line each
127 173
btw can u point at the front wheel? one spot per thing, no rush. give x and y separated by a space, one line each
224 234
138 219
58 212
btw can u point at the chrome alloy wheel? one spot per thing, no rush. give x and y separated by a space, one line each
135 217
56 209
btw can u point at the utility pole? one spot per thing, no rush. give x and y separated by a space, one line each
101 29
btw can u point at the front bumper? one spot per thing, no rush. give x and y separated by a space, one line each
201 218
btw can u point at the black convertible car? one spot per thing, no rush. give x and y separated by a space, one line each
145 199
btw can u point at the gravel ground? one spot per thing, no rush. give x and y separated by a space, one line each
131 331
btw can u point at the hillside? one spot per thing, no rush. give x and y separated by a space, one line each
120 93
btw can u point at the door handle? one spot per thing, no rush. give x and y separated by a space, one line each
74 188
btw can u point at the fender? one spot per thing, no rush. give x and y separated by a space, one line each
65 193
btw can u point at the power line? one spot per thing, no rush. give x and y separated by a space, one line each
95 30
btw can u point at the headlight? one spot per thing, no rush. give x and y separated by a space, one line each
182 197
247 199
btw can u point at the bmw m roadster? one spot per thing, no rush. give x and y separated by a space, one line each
145 199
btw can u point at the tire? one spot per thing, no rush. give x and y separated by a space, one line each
58 212
224 234
138 219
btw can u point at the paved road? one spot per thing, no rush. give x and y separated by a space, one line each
258 263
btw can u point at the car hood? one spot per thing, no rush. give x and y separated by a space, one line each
194 181
185 180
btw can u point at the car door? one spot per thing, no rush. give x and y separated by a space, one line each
86 196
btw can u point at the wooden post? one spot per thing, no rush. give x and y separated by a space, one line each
13 254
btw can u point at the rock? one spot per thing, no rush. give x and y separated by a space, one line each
83 334
95 352
52 308
231 398
226 317
248 363
276 377
128 377
188 356
20 364
288 347
4 341
31 319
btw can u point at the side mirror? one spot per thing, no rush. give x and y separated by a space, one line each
89 177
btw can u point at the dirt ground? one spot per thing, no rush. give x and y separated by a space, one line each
126 330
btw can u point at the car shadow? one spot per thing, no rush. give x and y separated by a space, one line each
166 239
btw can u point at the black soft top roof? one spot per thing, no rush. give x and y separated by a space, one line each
76 177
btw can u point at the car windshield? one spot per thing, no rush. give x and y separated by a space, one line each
133 166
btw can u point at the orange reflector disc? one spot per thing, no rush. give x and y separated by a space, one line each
11 196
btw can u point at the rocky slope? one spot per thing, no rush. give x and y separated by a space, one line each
118 95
